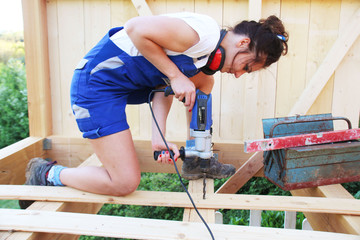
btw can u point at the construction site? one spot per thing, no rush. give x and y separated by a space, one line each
319 79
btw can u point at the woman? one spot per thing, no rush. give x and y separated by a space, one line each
182 50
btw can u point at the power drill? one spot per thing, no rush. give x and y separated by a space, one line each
200 131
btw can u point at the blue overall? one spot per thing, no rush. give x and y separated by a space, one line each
107 79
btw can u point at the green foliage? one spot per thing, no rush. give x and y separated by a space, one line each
14 124
262 186
353 188
11 46
11 204
236 217
161 182
274 219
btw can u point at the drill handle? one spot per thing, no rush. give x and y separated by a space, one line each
181 150
168 91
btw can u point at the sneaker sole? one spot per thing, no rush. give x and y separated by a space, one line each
29 168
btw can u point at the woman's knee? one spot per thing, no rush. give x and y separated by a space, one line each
126 185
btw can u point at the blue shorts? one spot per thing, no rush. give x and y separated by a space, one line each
99 110
99 105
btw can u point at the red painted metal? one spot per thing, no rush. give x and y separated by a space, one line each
319 182
301 140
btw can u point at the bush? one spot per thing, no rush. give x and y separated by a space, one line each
11 46
14 123
353 188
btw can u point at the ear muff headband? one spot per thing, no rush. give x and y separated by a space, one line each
217 57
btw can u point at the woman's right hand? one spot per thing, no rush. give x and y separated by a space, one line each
183 87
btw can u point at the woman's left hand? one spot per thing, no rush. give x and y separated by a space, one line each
164 156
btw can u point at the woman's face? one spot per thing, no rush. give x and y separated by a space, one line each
243 62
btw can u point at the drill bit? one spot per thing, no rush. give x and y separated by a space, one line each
204 185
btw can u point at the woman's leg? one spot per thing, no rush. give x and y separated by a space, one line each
120 174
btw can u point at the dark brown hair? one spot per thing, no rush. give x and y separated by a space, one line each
268 37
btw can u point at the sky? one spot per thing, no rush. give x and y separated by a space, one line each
11 15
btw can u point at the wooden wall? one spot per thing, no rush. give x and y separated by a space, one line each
74 27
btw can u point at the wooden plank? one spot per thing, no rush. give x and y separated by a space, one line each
323 31
243 174
71 151
125 227
346 100
121 12
142 7
50 206
59 206
255 218
68 151
228 91
327 221
37 67
97 21
290 220
255 7
301 140
71 37
291 77
334 57
180 199
196 188
13 159
54 52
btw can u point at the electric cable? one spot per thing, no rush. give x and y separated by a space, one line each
176 169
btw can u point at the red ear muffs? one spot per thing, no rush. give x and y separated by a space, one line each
217 57
218 60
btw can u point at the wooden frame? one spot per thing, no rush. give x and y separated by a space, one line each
334 212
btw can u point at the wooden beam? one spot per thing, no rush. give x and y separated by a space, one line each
58 206
243 174
332 60
13 159
138 228
69 151
327 221
37 67
142 7
196 188
180 199
72 151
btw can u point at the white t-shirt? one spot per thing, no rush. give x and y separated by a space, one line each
205 26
